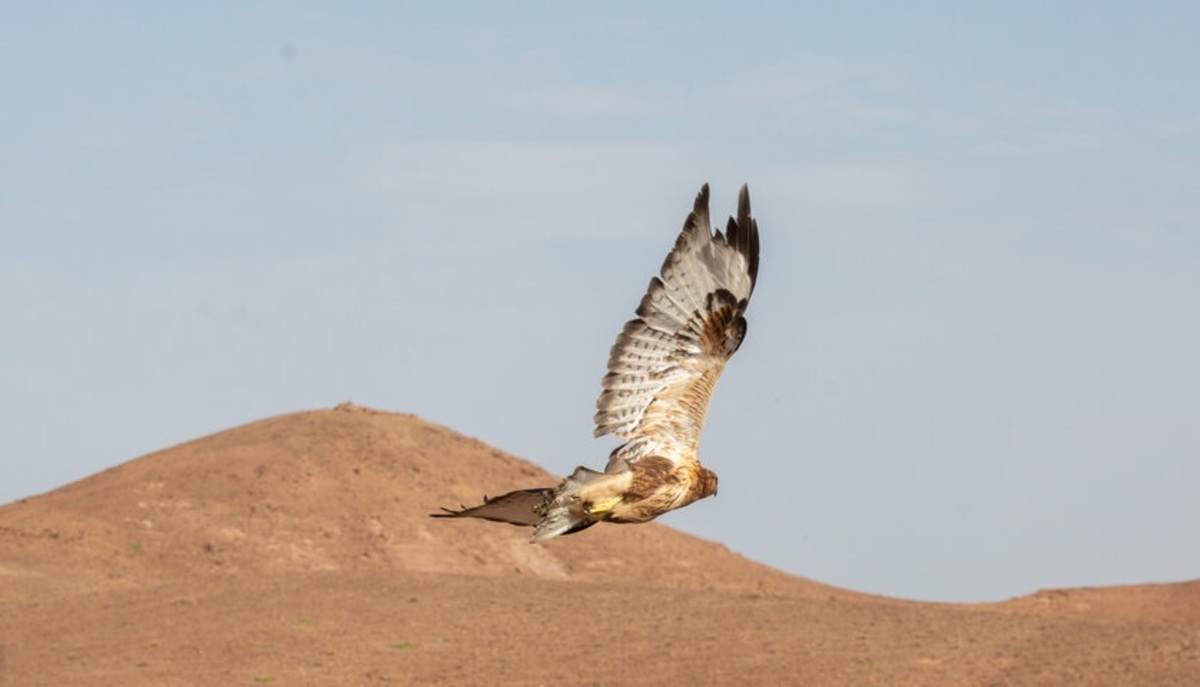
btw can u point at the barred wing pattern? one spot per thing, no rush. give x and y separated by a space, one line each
666 362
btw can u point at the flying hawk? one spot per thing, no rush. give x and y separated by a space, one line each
661 374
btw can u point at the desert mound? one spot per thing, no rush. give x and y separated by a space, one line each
297 549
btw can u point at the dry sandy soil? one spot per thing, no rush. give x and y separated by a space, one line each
296 550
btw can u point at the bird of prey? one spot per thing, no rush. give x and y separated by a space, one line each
661 374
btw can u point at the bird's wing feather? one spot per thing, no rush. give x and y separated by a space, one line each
665 363
522 507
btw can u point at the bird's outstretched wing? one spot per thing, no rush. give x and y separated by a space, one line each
665 363
524 507
521 507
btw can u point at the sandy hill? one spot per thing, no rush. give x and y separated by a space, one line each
298 549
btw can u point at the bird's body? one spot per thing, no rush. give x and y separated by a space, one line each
661 374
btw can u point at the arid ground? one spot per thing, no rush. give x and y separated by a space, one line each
297 550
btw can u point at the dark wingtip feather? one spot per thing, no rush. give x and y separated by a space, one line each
697 223
701 204
698 218
742 233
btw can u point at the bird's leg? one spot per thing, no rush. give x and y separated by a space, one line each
601 506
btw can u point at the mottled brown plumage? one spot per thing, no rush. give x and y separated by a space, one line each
661 374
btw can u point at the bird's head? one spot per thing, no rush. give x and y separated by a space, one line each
708 483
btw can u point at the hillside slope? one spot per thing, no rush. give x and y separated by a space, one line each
298 549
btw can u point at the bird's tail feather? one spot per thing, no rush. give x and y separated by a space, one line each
563 514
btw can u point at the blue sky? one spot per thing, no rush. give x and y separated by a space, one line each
971 367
